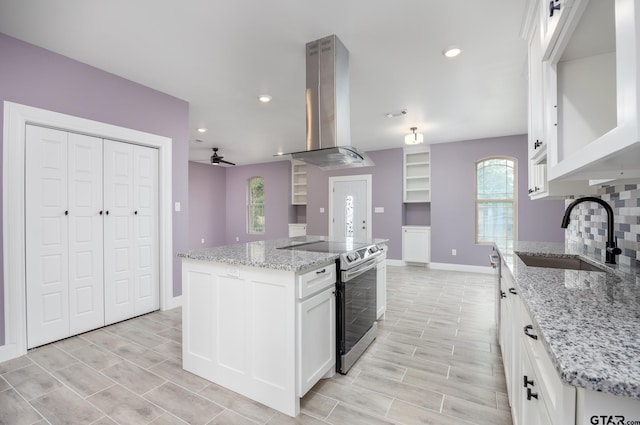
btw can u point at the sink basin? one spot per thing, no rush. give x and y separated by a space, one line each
573 263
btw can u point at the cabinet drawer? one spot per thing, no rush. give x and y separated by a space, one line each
556 394
316 280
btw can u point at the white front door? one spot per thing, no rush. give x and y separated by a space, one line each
350 207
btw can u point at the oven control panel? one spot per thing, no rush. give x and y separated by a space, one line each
353 258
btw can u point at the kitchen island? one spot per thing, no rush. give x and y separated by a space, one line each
259 319
579 353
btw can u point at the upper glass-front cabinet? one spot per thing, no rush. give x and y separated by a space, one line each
590 68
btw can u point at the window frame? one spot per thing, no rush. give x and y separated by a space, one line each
513 202
251 205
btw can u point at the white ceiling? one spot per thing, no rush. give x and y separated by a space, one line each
220 55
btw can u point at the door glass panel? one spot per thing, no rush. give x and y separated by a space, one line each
348 216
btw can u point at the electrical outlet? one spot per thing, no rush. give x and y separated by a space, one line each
454 252
202 241
237 238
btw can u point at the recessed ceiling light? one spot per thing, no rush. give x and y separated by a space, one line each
452 52
202 130
396 114
264 98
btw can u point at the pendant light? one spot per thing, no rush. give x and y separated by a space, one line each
413 138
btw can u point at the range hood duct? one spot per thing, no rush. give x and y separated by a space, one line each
327 100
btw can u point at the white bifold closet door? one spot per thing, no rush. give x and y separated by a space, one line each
63 229
131 230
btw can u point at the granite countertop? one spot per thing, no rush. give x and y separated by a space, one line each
268 254
588 320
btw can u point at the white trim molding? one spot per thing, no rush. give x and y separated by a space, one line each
16 117
462 268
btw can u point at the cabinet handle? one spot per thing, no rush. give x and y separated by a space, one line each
526 332
527 382
503 294
553 7
531 394
321 271
135 212
66 213
107 212
100 212
530 190
513 291
537 144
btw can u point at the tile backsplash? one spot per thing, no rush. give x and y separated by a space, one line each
588 225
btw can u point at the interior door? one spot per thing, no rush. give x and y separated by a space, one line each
350 209
46 235
118 231
86 297
145 229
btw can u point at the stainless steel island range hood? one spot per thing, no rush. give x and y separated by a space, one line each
327 99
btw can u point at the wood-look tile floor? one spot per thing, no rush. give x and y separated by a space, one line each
435 361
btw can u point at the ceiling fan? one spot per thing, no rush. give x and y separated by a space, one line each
217 159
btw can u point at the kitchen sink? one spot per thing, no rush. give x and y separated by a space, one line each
573 263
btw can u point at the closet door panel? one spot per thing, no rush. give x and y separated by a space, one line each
118 230
86 297
145 193
46 235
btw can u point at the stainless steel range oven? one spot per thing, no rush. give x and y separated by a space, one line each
356 291
356 305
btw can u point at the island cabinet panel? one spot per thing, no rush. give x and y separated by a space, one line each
246 328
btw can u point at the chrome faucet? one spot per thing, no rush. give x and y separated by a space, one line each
611 248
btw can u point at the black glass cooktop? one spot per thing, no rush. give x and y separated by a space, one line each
330 247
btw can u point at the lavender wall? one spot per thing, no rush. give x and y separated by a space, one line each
40 78
453 205
207 210
387 193
417 214
277 195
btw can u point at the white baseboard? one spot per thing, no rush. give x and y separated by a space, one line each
8 352
395 262
173 303
462 268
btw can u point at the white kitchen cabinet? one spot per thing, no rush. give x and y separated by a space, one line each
316 338
539 117
417 174
297 229
552 16
416 244
592 92
91 232
536 393
381 283
298 183
264 333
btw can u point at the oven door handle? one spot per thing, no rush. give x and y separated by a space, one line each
347 275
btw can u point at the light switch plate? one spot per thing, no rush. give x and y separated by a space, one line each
379 209
177 206
321 209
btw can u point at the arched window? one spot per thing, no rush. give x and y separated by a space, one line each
496 201
255 205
